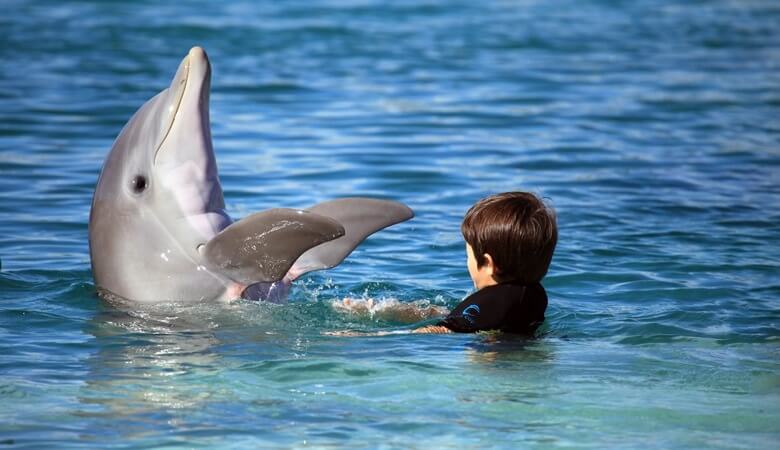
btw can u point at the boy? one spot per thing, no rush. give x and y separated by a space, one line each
510 240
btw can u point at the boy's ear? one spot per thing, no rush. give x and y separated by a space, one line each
489 264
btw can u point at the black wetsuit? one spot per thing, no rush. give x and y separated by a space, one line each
512 308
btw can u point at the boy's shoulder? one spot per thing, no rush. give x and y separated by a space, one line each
496 296
514 308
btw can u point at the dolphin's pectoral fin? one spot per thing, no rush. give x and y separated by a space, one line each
361 217
263 246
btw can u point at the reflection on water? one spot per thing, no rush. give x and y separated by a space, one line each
149 360
165 367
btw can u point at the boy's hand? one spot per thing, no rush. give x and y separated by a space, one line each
432 329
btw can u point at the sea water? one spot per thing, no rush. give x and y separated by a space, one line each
651 126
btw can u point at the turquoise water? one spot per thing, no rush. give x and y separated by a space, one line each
652 127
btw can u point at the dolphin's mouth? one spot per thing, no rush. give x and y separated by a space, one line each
184 168
189 91
176 94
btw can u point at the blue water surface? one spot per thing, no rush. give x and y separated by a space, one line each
651 126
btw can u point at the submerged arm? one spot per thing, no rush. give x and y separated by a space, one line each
432 329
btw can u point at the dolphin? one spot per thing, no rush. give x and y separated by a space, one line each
158 230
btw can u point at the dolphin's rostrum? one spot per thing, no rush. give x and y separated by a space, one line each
158 230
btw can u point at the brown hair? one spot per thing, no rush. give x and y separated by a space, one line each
518 230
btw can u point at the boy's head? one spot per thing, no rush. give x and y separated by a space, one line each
511 235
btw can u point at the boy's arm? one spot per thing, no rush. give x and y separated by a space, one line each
432 329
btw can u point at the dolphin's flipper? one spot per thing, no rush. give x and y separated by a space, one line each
263 246
360 217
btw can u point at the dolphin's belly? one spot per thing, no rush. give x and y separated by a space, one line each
141 259
272 292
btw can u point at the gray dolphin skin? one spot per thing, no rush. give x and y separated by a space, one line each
158 231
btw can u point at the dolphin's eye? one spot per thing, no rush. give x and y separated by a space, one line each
138 184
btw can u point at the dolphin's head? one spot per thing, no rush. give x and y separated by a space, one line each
158 197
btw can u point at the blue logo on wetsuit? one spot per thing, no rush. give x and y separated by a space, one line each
470 313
